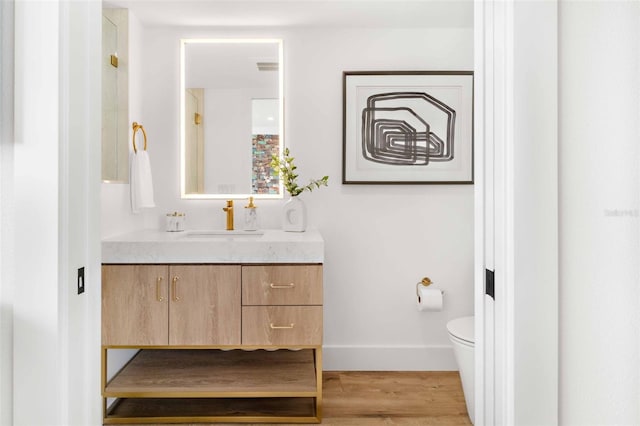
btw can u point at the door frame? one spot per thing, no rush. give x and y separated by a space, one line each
516 211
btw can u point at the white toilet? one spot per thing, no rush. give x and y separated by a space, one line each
461 335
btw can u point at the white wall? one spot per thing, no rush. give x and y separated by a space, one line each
534 175
380 240
36 319
599 238
115 199
6 212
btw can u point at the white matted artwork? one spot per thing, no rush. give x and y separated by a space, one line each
407 127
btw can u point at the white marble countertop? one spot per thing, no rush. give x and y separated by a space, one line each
193 246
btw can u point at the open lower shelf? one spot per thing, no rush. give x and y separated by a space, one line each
254 410
214 385
201 373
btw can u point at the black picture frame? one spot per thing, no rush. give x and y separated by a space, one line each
407 127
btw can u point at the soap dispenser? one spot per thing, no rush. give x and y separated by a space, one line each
250 216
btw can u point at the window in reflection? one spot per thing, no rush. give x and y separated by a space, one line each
265 142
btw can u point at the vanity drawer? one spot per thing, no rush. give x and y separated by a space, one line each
282 325
282 285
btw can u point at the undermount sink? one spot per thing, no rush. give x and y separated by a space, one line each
221 233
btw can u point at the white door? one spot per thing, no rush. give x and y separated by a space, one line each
484 138
516 124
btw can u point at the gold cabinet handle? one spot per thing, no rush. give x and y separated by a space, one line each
159 296
174 288
281 327
290 285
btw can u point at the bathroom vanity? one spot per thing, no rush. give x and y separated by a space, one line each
228 327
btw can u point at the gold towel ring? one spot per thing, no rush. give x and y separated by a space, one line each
137 127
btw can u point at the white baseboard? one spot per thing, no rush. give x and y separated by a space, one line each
388 358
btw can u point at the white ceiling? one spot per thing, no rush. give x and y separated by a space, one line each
301 13
234 67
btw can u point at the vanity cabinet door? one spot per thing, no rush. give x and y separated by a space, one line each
134 305
205 305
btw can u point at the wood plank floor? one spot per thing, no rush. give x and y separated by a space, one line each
426 398
393 398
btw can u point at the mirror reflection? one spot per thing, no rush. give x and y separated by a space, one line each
115 96
231 117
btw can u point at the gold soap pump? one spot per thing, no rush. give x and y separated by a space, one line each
250 216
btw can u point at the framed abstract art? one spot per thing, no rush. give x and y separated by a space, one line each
407 127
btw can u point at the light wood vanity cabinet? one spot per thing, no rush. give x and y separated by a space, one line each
155 305
218 343
282 305
135 310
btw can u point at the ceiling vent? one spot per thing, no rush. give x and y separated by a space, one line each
267 66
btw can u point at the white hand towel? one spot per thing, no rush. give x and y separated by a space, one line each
141 182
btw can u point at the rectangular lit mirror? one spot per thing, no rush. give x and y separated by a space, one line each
231 117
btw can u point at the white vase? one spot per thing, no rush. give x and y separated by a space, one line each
294 217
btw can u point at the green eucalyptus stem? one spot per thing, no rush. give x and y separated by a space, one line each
286 169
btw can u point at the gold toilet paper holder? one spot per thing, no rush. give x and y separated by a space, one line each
426 281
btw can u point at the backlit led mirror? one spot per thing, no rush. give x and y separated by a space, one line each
231 117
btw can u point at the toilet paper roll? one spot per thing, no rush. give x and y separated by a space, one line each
429 299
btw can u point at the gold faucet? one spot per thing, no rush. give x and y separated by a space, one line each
229 210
